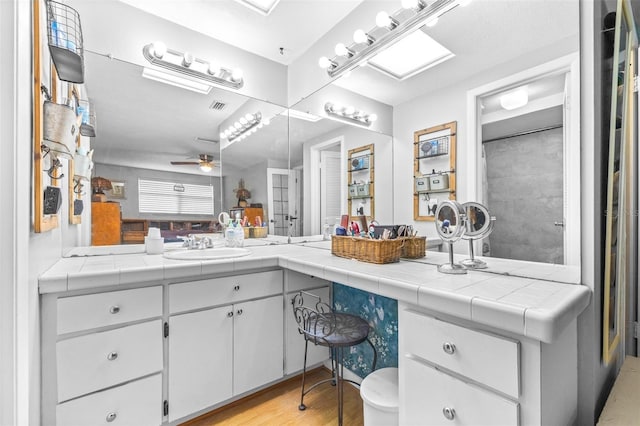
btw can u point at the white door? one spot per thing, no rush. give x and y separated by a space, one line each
295 341
200 360
329 187
278 200
257 343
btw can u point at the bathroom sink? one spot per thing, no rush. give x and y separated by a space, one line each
206 254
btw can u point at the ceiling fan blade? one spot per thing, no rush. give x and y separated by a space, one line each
184 163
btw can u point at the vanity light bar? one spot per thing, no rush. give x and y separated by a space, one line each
158 54
349 57
244 127
349 113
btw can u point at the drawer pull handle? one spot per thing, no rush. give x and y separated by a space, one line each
449 413
112 356
230 314
239 312
449 348
236 288
111 417
114 309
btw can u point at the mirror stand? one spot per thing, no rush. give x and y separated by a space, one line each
450 220
472 262
451 267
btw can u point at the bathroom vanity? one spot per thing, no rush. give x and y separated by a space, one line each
142 339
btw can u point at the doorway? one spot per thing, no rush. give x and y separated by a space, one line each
562 222
326 185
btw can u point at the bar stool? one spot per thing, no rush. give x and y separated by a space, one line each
323 326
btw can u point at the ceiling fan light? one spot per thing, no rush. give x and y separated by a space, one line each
206 167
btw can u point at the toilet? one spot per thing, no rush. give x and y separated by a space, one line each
379 392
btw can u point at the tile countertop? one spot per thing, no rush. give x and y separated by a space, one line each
532 307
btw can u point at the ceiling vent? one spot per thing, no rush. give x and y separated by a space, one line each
217 105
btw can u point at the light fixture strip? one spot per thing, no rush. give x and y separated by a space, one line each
245 128
357 116
224 79
437 8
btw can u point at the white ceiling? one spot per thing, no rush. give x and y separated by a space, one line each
293 25
143 123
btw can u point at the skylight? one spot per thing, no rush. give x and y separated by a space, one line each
410 56
264 7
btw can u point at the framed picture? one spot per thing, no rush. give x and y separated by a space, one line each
117 190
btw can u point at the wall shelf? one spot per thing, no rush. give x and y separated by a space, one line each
361 177
439 142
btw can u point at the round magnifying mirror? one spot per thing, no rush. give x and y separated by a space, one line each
451 226
479 225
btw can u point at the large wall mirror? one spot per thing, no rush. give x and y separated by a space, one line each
279 164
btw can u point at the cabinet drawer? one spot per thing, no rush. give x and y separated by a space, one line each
219 291
297 281
136 403
427 393
97 361
78 313
485 358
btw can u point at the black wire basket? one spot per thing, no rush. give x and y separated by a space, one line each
64 34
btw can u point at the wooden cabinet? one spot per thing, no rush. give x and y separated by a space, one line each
105 223
460 374
250 212
223 351
134 231
103 358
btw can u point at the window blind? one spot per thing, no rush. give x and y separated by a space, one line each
174 198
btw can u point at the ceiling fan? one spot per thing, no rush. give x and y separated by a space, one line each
205 162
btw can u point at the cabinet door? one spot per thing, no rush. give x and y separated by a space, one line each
200 360
257 344
295 341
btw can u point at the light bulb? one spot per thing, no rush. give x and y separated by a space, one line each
324 62
223 135
236 75
237 125
159 49
253 130
372 117
259 126
350 110
187 59
213 68
243 121
267 122
249 117
342 50
432 22
383 20
337 108
206 167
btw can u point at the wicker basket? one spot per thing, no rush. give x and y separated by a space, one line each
258 232
366 249
414 247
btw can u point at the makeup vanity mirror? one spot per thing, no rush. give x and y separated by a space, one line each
450 221
479 226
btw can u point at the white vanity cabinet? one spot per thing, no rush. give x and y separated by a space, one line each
452 372
294 341
225 338
102 357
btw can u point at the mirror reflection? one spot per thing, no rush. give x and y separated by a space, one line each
146 125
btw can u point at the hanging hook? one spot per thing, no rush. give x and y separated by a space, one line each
51 170
77 187
44 148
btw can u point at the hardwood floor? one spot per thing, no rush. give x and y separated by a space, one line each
278 405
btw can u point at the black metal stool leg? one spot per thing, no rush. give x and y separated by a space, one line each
340 382
302 407
375 356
